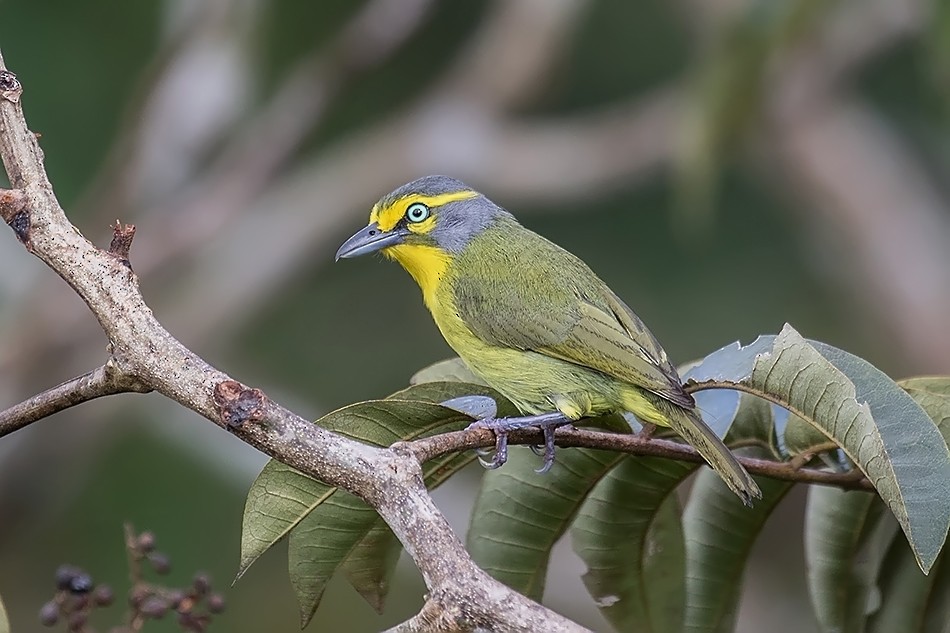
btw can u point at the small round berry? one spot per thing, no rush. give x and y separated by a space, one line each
145 542
103 596
202 584
81 583
49 613
176 597
154 608
160 563
186 604
64 576
216 603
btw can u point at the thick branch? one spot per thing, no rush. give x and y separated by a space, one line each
102 381
144 351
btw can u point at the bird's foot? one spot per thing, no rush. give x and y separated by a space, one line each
483 409
547 422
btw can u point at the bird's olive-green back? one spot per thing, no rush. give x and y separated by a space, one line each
513 288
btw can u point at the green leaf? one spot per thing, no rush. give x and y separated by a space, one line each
918 494
879 426
278 500
4 622
519 514
281 497
755 423
800 436
932 393
846 537
448 370
371 564
321 542
906 592
718 407
719 532
330 529
629 535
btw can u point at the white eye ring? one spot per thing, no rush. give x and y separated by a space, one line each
417 212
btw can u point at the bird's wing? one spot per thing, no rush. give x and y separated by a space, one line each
590 327
617 343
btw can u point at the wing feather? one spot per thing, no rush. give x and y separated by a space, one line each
563 311
598 340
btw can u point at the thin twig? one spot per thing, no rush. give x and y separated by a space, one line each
101 381
801 460
431 447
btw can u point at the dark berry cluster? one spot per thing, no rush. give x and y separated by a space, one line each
194 606
77 595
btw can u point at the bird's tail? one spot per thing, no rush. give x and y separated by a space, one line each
690 426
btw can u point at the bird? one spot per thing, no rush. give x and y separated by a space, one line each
533 321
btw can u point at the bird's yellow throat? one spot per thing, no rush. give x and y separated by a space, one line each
427 265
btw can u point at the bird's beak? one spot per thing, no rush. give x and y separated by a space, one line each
369 240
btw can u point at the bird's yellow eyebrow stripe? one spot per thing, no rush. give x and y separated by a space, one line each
387 217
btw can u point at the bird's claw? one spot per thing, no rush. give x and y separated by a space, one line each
501 427
548 452
500 453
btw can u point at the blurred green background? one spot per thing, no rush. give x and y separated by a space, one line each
725 165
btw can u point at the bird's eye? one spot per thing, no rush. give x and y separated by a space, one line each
417 212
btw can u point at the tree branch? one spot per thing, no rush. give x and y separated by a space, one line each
143 351
430 618
431 447
102 381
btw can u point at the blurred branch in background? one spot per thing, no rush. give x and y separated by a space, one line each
205 198
876 211
462 125
262 167
875 216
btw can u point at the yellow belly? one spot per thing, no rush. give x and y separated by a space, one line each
537 383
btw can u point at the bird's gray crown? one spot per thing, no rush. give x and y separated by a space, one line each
434 185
